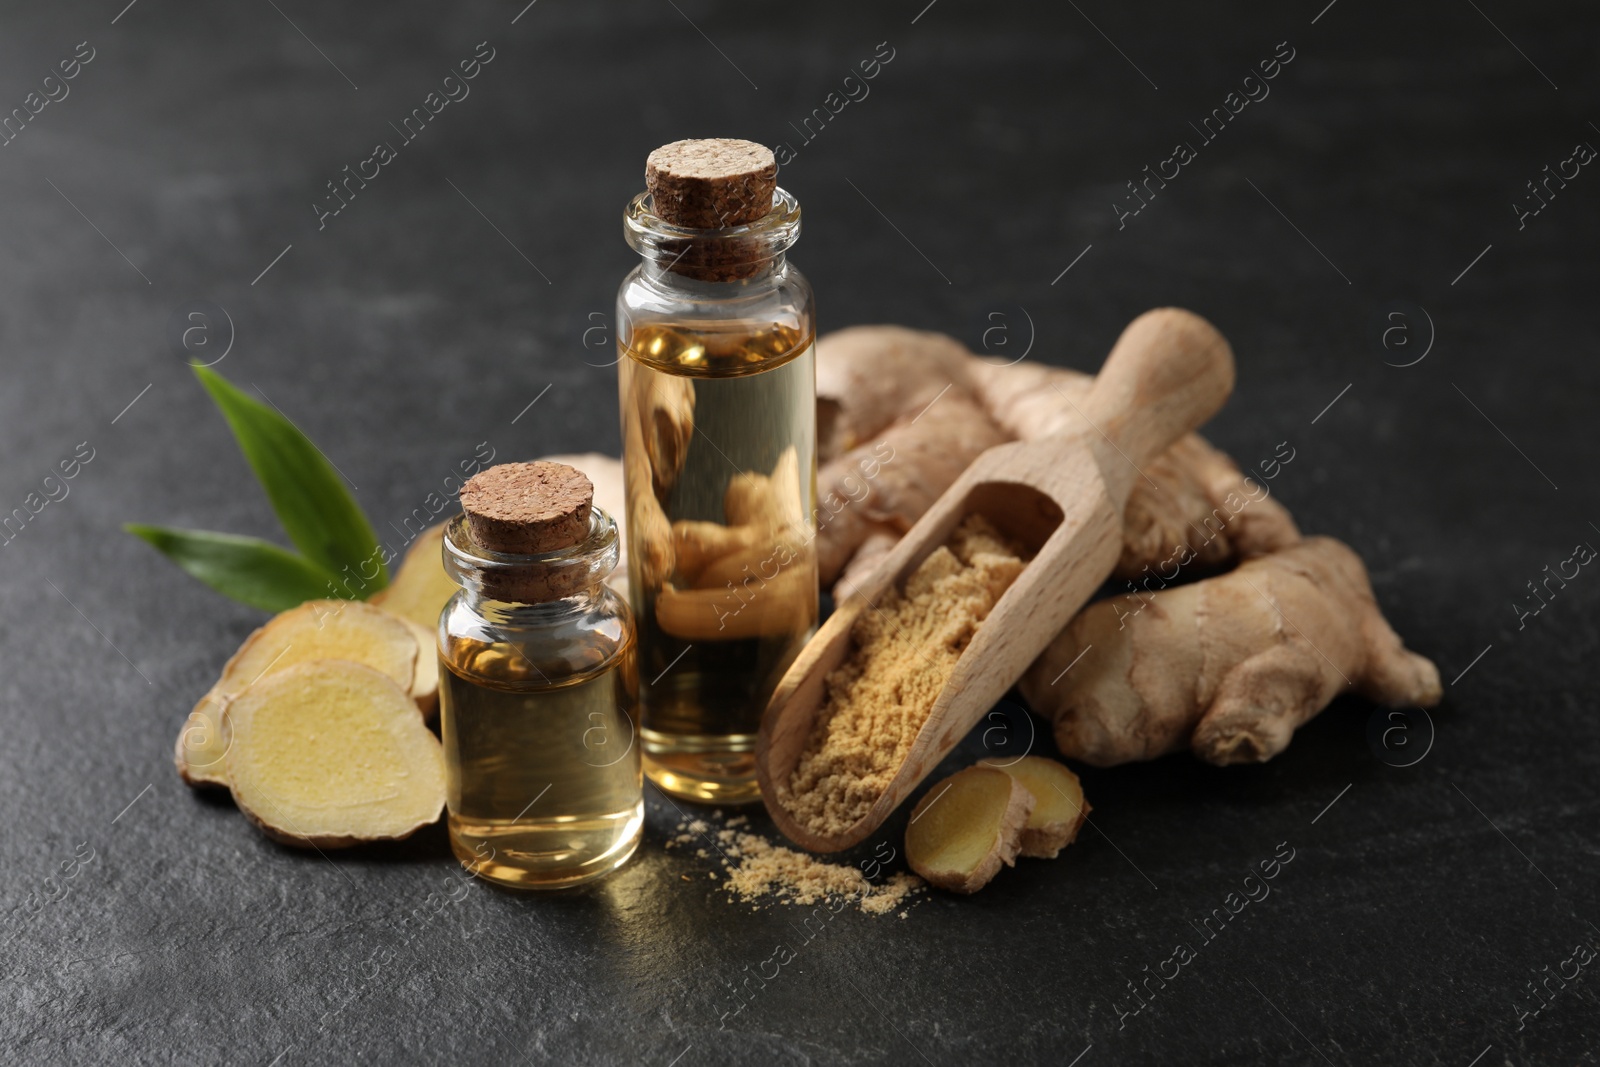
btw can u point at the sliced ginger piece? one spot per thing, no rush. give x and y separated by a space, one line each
325 629
425 680
317 629
201 747
966 826
421 586
330 753
1059 809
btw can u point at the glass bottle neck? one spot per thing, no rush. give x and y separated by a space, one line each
517 615
676 255
659 270
545 587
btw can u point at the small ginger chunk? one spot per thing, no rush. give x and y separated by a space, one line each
966 826
1059 809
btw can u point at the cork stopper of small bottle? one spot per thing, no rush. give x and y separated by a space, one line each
526 509
711 183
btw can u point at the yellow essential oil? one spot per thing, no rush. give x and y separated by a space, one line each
537 702
717 384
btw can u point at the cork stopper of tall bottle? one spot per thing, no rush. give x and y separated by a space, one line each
713 184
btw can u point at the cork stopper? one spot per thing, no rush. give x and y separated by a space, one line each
523 509
711 183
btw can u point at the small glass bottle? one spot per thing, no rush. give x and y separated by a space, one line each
718 403
538 683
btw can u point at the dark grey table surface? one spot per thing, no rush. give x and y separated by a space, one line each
973 188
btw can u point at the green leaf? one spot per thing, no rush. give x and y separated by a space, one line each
247 569
319 515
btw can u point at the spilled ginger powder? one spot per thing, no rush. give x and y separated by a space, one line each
758 871
904 653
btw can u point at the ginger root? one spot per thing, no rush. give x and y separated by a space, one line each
1059 810
651 531
664 411
902 412
1229 666
966 827
777 606
885 485
657 427
1192 496
699 544
871 376
330 753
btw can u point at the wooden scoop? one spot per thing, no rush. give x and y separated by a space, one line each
1062 497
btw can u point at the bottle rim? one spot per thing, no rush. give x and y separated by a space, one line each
512 576
771 235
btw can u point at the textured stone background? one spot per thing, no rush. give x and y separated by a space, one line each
458 287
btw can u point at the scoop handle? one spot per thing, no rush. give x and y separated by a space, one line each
1167 374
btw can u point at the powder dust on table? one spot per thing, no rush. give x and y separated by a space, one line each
758 871
904 653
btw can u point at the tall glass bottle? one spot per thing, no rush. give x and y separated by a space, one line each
718 402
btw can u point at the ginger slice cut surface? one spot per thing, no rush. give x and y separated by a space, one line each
331 753
420 587
1059 809
966 827
317 629
325 629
